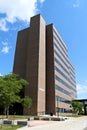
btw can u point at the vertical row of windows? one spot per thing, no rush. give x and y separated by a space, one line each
64 58
63 100
61 58
60 41
59 71
72 78
61 52
56 39
62 90
72 72
73 75
64 83
71 67
56 60
63 110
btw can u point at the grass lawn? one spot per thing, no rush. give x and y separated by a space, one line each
14 117
8 127
73 115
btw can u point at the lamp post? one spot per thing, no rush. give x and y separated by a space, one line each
57 107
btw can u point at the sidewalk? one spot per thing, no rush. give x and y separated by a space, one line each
70 124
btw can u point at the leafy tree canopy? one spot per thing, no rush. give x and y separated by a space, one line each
77 106
10 87
27 102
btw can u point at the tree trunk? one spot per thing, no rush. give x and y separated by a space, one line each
7 112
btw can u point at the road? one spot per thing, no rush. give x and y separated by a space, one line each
70 124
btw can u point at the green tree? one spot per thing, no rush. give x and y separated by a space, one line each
27 102
80 108
10 87
77 106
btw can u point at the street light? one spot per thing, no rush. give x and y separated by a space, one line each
57 107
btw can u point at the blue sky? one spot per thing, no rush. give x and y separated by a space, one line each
68 16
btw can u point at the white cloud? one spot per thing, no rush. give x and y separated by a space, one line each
41 1
5 49
17 9
1 74
81 89
76 4
4 43
3 25
86 81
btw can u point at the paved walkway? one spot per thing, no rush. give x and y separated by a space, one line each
70 124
